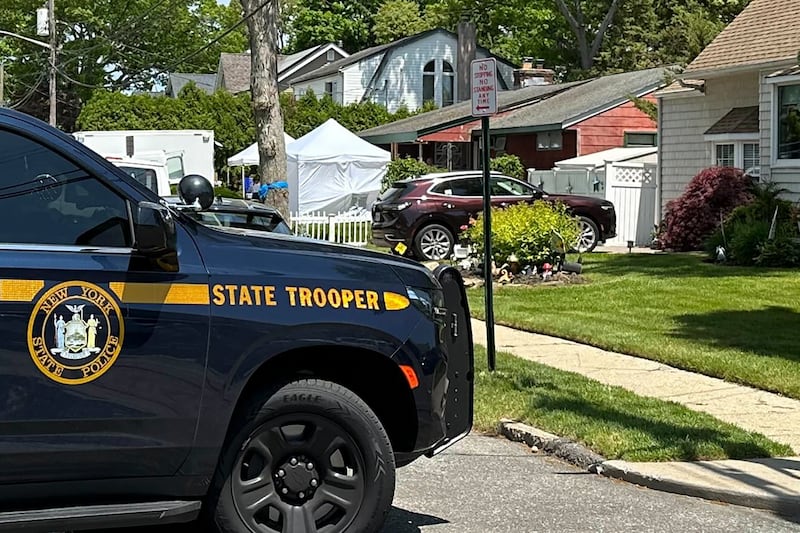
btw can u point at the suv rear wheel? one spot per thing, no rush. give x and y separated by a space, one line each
310 457
589 235
434 242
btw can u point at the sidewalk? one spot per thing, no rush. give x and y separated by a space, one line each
764 483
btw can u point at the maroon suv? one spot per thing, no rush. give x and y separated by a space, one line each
426 213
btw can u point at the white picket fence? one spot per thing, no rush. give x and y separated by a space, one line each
351 227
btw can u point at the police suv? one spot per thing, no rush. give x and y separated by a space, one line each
156 370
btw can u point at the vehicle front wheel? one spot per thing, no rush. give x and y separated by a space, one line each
589 235
311 456
433 243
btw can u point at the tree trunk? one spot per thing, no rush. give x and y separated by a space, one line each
588 51
263 29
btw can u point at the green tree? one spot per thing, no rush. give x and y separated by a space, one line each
308 23
397 19
123 45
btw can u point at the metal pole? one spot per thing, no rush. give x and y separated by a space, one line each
2 84
51 24
487 244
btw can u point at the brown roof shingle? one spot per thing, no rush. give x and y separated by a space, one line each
737 120
766 31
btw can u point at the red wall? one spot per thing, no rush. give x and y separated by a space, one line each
607 130
524 146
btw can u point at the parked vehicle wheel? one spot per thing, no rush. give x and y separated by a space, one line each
433 243
312 456
589 236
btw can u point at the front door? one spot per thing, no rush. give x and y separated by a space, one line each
102 354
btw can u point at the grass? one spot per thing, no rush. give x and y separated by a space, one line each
613 422
738 324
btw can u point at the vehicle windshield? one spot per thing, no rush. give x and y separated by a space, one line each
255 221
145 176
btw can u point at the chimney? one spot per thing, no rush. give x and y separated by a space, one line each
533 73
467 47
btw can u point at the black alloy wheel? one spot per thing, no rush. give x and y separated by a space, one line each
317 461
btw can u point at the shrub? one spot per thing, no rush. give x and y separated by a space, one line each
525 230
746 229
405 168
509 165
779 252
224 192
708 198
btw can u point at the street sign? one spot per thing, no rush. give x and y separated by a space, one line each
484 87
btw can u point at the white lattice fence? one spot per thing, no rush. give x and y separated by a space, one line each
353 228
632 188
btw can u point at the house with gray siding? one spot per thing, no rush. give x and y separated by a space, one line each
737 104
405 73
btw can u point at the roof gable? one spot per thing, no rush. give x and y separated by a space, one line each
336 66
178 80
765 32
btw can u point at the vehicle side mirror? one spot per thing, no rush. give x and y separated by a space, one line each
196 191
155 233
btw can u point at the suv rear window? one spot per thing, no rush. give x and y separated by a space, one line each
395 193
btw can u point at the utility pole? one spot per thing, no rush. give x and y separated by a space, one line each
51 26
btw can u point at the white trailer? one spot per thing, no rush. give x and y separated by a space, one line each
185 151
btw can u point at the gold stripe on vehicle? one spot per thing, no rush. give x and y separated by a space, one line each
161 293
19 290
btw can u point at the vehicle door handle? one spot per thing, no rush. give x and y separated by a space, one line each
503 204
447 205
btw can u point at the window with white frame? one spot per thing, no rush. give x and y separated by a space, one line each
439 83
745 155
788 121
331 56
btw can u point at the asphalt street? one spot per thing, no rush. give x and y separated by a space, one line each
486 484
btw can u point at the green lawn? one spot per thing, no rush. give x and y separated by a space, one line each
739 324
613 422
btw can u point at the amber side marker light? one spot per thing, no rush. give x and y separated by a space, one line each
411 376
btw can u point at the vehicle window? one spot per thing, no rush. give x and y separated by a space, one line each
45 199
507 187
175 168
145 176
393 193
460 187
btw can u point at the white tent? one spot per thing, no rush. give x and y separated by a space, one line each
249 156
331 170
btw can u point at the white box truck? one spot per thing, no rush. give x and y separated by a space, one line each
185 151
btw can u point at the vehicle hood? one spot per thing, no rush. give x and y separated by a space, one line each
236 247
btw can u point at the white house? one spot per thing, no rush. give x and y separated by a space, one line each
737 104
407 72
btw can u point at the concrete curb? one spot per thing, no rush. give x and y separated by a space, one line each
782 504
679 483
565 449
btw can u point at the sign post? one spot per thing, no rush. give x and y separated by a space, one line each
484 104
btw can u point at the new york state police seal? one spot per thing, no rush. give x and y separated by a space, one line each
75 332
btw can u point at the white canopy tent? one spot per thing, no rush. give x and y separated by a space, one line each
331 170
249 156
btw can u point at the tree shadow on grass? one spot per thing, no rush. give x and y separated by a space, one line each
771 331
687 441
671 265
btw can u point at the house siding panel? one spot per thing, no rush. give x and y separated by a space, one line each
684 120
357 78
318 86
607 130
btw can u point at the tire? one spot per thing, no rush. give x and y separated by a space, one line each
308 456
433 242
589 236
